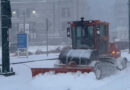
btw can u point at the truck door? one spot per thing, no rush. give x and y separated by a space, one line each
102 38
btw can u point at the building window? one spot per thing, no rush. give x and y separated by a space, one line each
13 32
64 26
15 26
27 28
28 12
65 12
33 36
21 28
32 27
15 12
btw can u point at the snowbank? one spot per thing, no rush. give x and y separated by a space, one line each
125 53
79 53
78 81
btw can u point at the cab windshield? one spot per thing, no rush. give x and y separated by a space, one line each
83 37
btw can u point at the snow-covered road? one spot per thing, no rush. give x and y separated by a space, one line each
24 81
49 81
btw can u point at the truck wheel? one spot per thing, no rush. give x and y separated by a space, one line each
122 65
98 71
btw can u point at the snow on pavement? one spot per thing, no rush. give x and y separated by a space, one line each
49 81
33 49
44 48
78 81
33 58
23 81
17 82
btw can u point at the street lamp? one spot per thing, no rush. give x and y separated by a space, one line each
14 12
33 12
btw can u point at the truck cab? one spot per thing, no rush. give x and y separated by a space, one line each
92 34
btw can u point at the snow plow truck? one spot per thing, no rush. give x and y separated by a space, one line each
91 50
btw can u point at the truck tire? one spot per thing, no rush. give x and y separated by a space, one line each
98 71
122 64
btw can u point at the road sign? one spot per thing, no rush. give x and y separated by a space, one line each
22 41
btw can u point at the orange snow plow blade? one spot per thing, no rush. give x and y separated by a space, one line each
36 71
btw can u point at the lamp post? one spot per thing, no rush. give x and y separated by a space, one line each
24 17
53 16
47 35
77 4
129 22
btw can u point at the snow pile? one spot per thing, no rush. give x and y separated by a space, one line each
79 53
68 81
125 53
78 81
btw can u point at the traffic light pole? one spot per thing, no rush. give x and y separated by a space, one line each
5 25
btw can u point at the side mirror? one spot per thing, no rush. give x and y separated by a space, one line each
98 32
68 32
98 29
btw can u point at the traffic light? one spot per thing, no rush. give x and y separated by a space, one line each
6 13
5 25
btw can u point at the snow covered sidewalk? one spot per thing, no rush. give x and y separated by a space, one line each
32 58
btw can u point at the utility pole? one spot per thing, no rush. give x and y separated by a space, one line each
129 22
24 23
53 15
5 26
47 35
77 5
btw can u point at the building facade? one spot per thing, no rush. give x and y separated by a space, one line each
121 20
35 16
